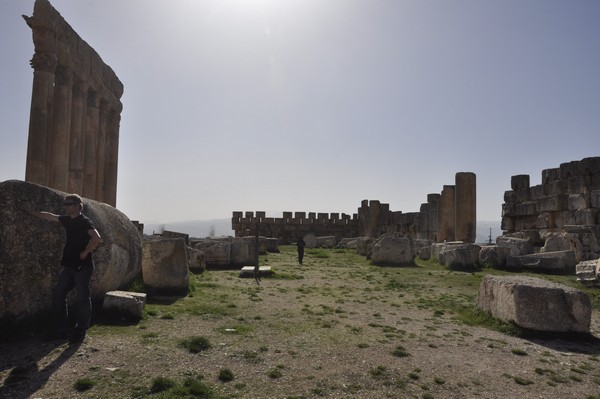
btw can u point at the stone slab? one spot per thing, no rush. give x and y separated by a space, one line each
263 271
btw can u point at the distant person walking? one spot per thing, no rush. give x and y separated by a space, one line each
301 244
78 266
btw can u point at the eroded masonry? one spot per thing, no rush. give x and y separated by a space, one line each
568 199
75 111
448 216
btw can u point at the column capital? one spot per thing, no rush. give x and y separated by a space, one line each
44 62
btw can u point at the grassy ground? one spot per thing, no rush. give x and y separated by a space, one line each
336 327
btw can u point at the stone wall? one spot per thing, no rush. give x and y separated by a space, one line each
450 216
75 111
568 199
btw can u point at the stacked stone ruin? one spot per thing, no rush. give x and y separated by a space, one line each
75 111
449 216
567 200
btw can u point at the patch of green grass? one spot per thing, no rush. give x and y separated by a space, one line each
400 351
522 381
195 344
225 375
84 384
160 384
519 352
275 372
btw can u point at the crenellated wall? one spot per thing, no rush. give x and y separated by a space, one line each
449 216
75 111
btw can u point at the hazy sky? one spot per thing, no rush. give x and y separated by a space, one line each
315 105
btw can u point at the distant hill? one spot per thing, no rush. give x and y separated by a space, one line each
222 227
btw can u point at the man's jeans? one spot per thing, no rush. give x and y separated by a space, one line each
80 280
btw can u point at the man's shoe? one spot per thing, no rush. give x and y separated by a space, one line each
77 337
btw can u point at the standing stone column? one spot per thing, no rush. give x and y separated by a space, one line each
77 137
466 215
112 157
60 130
446 214
90 144
40 118
101 153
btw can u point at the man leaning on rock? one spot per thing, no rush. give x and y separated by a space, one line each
78 266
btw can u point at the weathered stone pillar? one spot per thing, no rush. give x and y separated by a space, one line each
446 214
112 157
465 201
90 143
40 118
77 137
59 132
101 152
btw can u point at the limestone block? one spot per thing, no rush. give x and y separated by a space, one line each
510 197
568 218
550 175
538 191
544 221
558 187
165 266
460 255
523 195
347 243
364 245
392 250
263 271
493 256
525 208
569 169
519 182
417 244
272 245
590 165
535 304
558 262
310 240
553 203
587 273
216 251
576 184
564 242
196 260
424 253
517 246
507 224
242 251
124 305
576 202
31 249
595 199
585 217
326 242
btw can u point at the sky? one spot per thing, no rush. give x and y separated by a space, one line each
316 105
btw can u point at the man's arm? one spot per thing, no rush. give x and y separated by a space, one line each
40 214
95 240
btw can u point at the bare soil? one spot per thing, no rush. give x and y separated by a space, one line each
337 327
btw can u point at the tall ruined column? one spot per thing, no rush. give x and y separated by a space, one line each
446 214
112 157
90 145
76 138
101 152
466 211
58 161
40 118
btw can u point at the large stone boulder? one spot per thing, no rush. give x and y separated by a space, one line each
326 242
216 251
463 255
535 304
389 250
559 262
31 249
517 246
493 256
587 271
564 242
165 266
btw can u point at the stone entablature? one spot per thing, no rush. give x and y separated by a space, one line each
449 216
568 199
75 111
